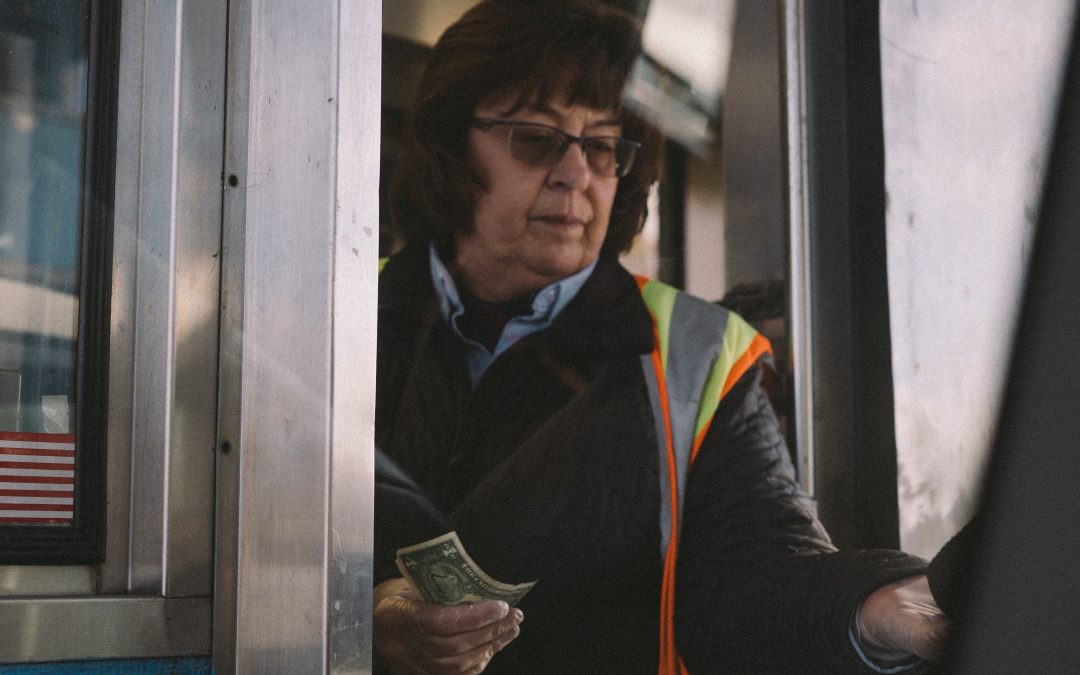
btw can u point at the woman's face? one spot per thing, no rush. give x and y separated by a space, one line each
534 225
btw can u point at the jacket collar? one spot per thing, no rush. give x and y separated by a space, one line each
607 314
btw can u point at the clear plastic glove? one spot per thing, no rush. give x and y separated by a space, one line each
418 637
903 617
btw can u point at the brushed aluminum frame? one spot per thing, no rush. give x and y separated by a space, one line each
106 628
296 421
158 571
177 232
799 261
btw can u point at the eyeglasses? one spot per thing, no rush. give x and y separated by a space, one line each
540 145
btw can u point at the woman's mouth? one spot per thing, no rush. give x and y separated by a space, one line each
558 219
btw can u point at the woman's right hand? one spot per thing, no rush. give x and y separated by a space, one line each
414 636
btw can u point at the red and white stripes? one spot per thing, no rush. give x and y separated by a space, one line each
37 478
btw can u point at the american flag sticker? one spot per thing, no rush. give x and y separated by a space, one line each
37 478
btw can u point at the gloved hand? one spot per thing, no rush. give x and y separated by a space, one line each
413 636
903 617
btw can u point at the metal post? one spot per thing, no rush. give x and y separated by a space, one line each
296 420
800 310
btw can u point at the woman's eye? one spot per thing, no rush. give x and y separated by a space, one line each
535 136
601 146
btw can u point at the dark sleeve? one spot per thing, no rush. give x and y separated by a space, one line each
759 585
403 516
951 567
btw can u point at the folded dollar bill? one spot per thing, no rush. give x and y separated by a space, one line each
440 571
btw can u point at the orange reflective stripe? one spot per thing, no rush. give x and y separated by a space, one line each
641 281
739 348
660 300
670 663
759 346
669 653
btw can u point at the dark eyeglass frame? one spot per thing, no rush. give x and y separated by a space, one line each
623 146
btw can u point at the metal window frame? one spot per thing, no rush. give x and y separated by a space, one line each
151 595
800 309
840 307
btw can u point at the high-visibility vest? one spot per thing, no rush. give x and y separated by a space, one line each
688 372
690 369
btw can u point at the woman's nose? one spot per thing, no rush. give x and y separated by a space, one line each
571 170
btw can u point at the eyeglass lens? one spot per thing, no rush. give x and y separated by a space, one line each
538 145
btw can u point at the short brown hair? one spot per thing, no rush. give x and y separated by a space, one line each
534 49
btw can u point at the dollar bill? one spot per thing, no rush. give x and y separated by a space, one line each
441 572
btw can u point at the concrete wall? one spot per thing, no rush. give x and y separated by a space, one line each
969 90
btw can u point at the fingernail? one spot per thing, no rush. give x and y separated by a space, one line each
518 615
506 638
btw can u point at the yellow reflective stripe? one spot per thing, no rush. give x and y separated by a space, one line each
738 337
660 299
382 263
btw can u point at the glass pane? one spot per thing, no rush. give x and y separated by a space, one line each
43 83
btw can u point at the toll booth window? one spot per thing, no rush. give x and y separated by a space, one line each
51 223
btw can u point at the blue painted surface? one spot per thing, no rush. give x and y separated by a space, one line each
197 666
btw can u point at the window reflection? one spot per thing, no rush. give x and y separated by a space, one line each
43 93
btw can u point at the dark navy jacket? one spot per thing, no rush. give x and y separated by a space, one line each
548 470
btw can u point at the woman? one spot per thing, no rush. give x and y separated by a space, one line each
512 390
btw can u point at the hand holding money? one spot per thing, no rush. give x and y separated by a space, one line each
441 572
450 617
413 636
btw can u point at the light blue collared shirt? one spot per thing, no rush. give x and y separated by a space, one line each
546 305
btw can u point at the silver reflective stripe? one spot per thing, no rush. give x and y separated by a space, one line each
695 336
661 434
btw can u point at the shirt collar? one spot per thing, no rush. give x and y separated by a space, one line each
546 304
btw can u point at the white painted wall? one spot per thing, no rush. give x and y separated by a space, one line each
970 91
